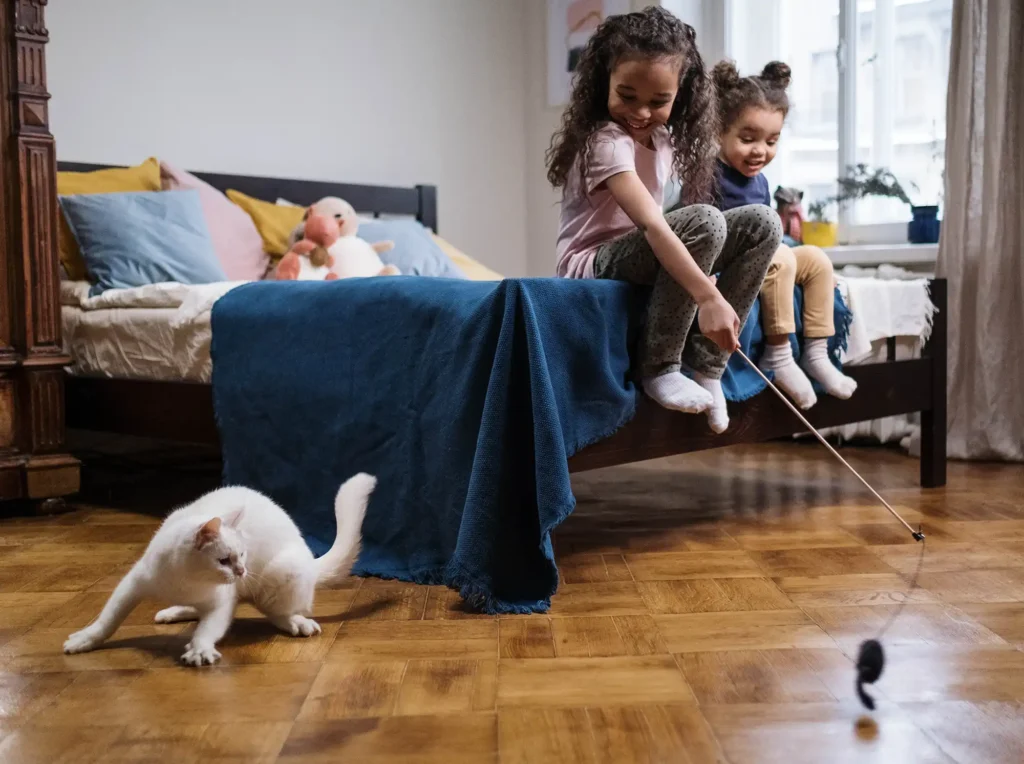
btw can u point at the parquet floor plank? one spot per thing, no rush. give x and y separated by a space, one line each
710 609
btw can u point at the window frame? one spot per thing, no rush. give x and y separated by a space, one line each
722 33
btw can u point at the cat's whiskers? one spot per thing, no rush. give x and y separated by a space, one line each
251 584
256 578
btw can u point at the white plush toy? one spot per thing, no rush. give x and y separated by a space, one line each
352 256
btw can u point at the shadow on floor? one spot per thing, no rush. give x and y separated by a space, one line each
144 476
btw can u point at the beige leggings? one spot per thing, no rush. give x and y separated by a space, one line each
811 268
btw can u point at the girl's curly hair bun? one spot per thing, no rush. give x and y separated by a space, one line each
725 75
777 74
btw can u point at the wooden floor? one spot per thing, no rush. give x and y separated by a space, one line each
709 609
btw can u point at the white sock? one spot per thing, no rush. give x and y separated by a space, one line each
677 392
816 363
718 415
779 359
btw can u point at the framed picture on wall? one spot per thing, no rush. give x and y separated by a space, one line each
570 25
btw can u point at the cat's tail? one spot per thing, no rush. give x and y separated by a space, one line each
349 510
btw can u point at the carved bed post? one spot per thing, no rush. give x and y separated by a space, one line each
33 462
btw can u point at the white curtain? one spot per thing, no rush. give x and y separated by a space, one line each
982 245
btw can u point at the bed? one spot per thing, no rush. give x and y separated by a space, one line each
175 403
149 403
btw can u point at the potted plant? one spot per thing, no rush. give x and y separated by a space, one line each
818 230
860 182
924 225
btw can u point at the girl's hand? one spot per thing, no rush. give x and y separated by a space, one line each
719 322
716 318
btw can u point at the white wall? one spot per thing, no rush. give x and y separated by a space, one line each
450 92
708 18
541 121
372 91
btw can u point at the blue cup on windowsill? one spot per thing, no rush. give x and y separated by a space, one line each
924 226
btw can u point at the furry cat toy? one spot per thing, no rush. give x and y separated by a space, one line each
233 544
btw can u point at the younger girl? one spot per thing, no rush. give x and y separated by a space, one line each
643 106
753 110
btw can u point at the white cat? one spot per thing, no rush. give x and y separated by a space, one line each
231 544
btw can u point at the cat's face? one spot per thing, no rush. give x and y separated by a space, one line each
220 549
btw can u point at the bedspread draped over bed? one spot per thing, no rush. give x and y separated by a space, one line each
465 399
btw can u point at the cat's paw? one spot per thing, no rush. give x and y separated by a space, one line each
82 641
176 614
307 627
200 655
299 626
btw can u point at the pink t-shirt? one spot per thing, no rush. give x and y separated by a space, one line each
592 217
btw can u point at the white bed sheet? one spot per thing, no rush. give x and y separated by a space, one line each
157 332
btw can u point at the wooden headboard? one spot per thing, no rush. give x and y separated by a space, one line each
419 202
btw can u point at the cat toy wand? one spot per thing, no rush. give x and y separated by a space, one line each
871 659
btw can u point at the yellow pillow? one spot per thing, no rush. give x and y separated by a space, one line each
142 177
274 221
474 271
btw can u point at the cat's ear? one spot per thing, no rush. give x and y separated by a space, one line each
232 519
209 532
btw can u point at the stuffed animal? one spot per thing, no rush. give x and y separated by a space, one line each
352 256
309 258
788 203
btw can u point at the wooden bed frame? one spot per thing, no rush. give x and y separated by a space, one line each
183 411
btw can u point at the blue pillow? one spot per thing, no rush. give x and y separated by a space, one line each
144 237
415 253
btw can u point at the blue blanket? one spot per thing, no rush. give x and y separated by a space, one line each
465 399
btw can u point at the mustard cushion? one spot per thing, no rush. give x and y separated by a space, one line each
274 221
474 271
141 177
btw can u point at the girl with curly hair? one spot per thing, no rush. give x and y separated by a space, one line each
753 110
643 107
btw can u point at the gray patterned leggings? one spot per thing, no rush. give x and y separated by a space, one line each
738 245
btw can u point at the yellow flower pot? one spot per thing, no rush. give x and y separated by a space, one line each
820 234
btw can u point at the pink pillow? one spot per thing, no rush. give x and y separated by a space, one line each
236 241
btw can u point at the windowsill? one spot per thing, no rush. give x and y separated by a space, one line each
868 255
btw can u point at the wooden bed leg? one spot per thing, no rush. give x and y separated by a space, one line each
933 419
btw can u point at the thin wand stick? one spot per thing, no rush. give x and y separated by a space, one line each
918 536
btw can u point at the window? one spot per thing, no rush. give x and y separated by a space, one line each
824 108
903 64
899 71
